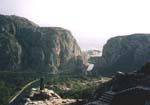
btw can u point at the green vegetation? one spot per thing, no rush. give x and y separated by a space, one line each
73 86
5 92
67 86
12 82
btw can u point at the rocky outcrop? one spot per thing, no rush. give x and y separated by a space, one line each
46 97
125 53
26 46
130 88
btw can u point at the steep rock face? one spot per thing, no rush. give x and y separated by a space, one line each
25 45
125 53
10 51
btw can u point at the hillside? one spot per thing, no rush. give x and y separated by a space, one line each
124 53
27 46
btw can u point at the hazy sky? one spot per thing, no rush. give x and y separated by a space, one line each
92 22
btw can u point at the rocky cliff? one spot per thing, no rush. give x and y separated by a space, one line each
125 53
26 46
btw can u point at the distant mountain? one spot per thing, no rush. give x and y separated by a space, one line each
26 46
93 53
124 53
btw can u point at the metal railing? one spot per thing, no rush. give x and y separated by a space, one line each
18 95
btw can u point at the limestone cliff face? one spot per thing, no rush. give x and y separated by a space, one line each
25 45
125 53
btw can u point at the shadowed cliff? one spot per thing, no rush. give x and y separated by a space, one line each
26 46
124 53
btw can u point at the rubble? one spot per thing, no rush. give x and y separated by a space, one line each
46 97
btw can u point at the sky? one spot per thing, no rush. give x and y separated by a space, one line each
92 22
